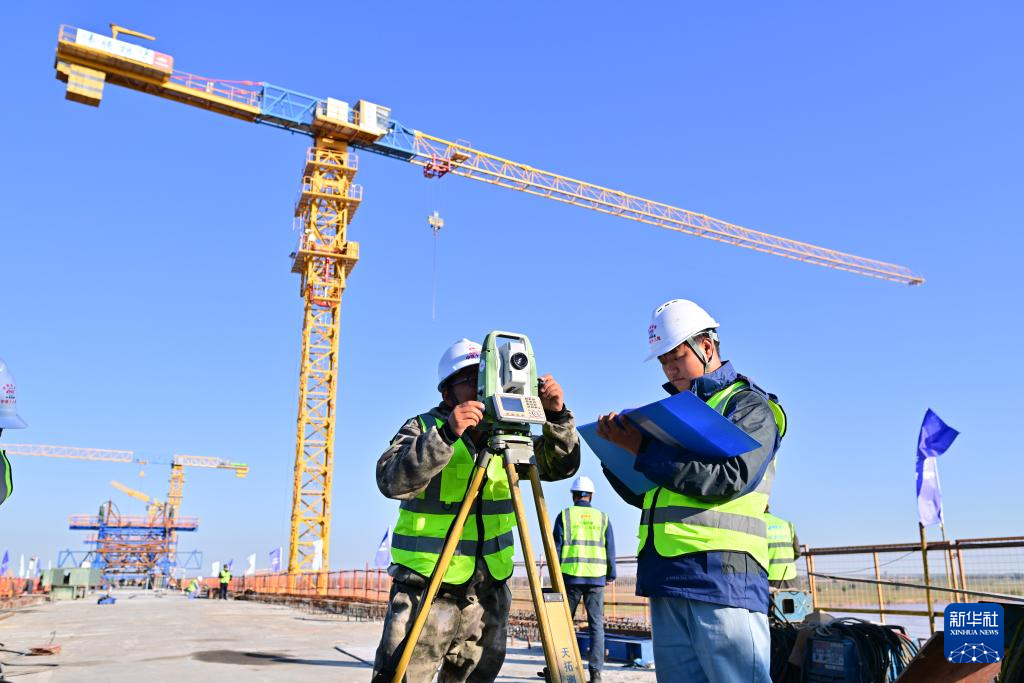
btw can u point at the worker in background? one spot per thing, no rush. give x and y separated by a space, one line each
225 579
703 553
427 467
586 550
193 588
9 419
783 549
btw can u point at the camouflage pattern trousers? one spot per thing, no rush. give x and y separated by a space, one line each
464 635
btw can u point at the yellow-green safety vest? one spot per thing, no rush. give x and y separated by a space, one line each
781 558
683 524
6 479
423 521
584 532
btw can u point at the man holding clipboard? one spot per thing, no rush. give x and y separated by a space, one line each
703 552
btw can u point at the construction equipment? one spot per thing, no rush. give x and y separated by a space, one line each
70 583
129 545
137 495
177 463
176 492
132 548
328 199
507 386
154 507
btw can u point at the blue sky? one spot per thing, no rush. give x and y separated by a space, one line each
150 305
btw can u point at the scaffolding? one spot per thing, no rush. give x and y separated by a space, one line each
132 549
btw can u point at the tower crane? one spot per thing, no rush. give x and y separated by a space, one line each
329 198
178 464
171 520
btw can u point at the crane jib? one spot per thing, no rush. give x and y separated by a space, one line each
91 57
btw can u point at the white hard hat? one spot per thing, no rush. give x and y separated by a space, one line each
582 484
9 418
461 354
673 322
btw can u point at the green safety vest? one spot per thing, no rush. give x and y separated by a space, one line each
423 521
225 576
584 531
781 558
683 524
6 480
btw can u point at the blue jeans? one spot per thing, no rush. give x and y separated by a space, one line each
700 642
593 599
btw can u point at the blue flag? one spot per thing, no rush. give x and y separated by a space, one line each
275 560
383 557
935 438
3 565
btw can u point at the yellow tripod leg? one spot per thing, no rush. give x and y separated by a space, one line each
558 637
447 552
551 553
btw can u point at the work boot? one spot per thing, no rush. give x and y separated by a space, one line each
595 676
544 674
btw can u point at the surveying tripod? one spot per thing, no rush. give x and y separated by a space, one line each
509 416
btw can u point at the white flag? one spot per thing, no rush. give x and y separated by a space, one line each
21 567
215 569
252 565
318 555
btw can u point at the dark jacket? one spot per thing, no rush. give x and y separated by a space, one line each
733 579
415 457
609 547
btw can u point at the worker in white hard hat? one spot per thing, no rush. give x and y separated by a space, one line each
9 419
586 550
427 467
703 552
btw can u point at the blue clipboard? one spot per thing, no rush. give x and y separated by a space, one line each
683 421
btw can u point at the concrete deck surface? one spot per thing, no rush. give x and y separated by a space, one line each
146 637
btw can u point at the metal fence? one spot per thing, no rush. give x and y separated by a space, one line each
363 585
11 587
874 581
881 580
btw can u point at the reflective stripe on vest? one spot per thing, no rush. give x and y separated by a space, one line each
584 531
423 521
781 558
683 525
6 478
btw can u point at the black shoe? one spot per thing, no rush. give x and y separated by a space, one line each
595 676
544 674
